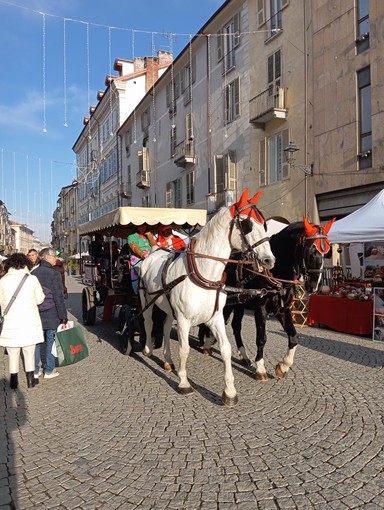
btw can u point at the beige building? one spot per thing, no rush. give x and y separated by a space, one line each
280 95
65 236
315 82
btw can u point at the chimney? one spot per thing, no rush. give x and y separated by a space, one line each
138 64
152 66
165 57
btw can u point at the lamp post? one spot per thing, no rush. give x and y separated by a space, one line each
290 151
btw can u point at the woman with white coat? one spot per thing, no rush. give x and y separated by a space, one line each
22 328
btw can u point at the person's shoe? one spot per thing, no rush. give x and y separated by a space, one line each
51 375
39 373
31 380
14 381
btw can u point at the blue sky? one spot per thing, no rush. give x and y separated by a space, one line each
54 57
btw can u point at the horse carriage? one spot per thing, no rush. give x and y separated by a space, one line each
107 282
190 287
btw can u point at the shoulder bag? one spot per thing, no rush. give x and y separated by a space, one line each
11 302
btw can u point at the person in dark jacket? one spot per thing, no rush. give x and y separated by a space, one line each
52 311
59 267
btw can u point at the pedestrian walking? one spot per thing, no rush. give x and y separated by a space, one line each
52 312
22 329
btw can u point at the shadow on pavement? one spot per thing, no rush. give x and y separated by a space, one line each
14 411
365 355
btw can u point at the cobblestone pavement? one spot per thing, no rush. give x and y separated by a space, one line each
113 433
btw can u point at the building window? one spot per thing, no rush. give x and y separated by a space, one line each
173 141
173 194
128 142
274 71
362 28
190 188
365 118
225 178
227 42
145 120
232 101
272 165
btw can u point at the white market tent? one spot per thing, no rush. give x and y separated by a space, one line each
364 225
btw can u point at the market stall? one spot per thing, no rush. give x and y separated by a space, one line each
348 306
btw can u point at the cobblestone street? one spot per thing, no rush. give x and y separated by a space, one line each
112 432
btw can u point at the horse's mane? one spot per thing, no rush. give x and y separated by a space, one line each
283 245
219 221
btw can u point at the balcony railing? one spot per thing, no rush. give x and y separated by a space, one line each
220 199
268 105
142 179
185 153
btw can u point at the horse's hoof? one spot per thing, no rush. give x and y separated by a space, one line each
207 352
147 352
185 390
168 367
261 377
229 401
279 373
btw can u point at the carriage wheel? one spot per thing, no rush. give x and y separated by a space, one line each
128 336
89 307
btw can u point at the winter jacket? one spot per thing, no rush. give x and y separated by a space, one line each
22 324
50 279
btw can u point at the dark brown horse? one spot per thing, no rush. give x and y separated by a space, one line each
299 250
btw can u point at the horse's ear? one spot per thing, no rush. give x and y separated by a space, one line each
328 226
243 199
256 197
309 229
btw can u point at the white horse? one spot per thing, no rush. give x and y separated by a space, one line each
189 287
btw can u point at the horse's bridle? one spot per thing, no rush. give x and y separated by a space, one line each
244 226
305 245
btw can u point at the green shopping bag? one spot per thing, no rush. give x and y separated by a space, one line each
70 346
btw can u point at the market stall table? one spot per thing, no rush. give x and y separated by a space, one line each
341 314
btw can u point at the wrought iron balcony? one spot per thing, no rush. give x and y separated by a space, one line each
268 105
142 179
185 153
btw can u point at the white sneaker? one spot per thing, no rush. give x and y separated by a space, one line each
40 373
51 375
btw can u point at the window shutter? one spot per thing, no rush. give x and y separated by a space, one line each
188 127
182 81
140 157
262 164
231 172
277 64
168 195
193 68
285 164
219 173
227 96
145 159
260 12
168 94
220 46
270 69
236 24
236 96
